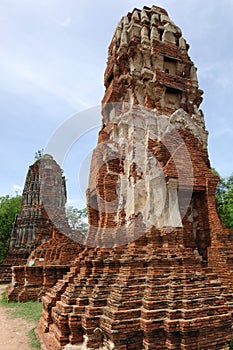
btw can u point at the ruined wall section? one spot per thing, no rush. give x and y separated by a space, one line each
146 168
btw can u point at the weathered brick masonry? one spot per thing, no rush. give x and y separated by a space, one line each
32 225
157 269
41 250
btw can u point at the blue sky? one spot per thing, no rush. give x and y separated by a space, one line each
53 56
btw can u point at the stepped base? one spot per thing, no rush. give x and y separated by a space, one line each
140 297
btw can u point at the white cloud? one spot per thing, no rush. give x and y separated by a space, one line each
224 132
30 75
66 23
18 188
76 203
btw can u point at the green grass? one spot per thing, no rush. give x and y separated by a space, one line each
34 342
4 300
30 311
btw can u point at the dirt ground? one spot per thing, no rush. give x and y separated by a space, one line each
13 331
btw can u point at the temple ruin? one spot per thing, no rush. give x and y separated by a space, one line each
156 272
32 226
41 249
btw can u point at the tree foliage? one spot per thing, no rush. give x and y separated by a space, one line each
9 207
77 219
224 197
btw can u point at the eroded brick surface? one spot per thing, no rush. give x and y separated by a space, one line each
159 272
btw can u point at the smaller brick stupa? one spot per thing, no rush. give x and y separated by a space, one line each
40 235
32 225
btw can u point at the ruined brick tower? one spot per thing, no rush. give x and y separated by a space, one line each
44 193
41 248
157 269
33 226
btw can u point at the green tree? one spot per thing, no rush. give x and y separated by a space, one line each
77 219
9 207
224 197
